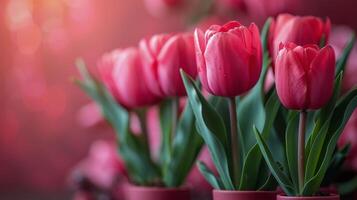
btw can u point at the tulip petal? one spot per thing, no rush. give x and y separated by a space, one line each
291 79
178 52
226 64
200 47
321 78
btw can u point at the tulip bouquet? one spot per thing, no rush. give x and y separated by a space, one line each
133 79
308 82
231 65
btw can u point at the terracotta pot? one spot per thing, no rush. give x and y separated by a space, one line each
156 193
243 195
330 197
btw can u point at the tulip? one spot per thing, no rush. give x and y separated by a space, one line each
304 76
122 72
229 58
299 30
163 57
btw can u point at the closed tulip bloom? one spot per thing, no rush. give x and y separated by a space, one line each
299 30
304 76
229 58
163 57
122 72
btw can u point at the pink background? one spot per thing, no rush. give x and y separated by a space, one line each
40 137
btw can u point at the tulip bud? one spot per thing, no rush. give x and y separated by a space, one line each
304 76
229 58
299 30
122 72
163 57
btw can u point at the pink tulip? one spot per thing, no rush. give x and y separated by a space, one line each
122 72
304 76
299 30
163 57
103 166
229 58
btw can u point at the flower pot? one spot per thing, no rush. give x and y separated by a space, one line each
329 197
156 193
243 195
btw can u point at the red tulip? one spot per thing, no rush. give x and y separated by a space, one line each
304 76
299 30
163 56
122 72
229 58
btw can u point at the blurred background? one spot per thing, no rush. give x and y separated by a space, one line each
46 123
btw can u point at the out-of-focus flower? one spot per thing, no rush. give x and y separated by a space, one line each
163 57
122 72
340 35
229 58
261 9
159 8
299 30
103 166
304 76
90 115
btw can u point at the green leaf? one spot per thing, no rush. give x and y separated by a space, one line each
336 164
341 63
315 152
211 127
265 33
252 161
209 176
279 175
345 108
166 130
187 144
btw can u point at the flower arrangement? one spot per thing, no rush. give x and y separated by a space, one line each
124 91
257 138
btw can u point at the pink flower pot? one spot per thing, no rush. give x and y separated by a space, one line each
243 195
156 193
330 197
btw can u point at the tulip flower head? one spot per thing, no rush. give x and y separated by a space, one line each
299 30
229 58
304 76
163 57
122 72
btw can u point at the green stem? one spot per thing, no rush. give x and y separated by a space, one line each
175 111
301 150
144 131
234 139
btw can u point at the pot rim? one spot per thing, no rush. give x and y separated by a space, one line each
244 191
157 189
330 196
